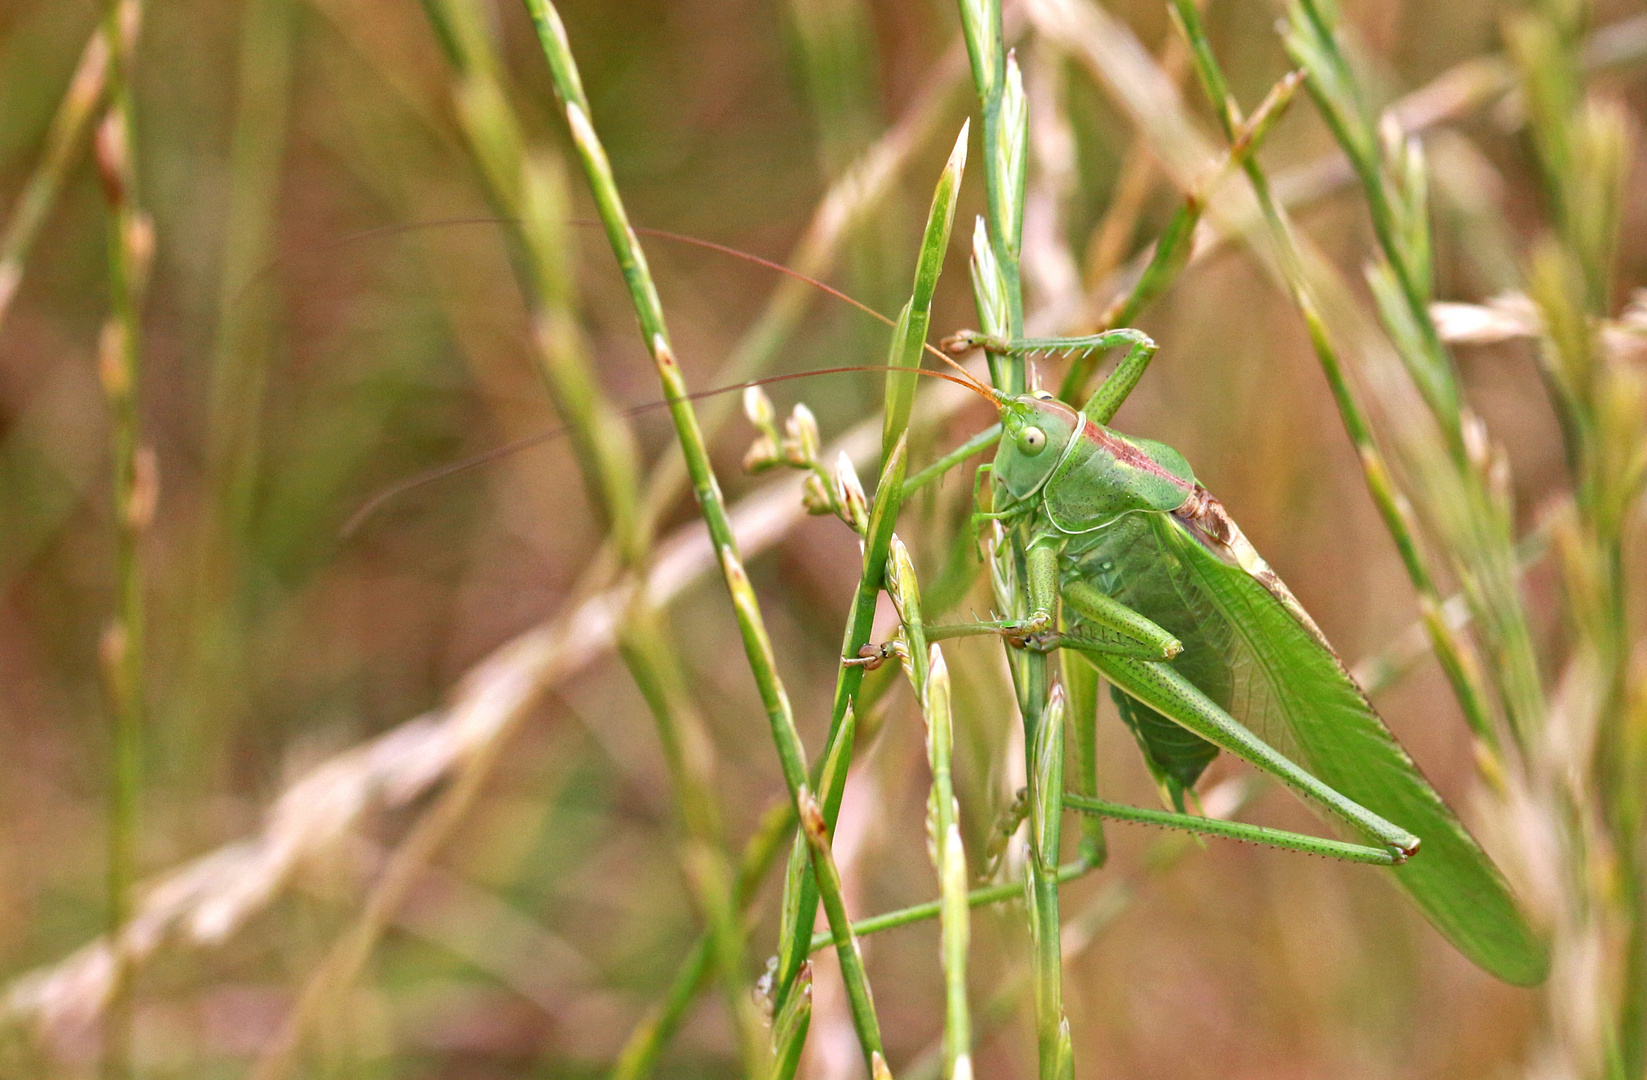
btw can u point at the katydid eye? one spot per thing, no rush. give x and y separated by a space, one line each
1031 441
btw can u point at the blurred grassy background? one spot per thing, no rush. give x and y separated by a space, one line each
302 350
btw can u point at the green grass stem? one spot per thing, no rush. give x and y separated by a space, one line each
44 184
1456 658
212 702
528 188
136 489
1393 184
1175 244
929 676
998 292
909 337
757 645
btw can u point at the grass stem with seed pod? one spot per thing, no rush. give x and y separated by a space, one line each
136 490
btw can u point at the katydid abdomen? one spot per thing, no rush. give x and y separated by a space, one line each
1123 560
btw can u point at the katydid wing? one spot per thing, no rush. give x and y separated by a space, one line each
1132 521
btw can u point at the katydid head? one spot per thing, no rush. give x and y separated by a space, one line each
1108 474
1036 430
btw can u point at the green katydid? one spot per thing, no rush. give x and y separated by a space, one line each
1206 648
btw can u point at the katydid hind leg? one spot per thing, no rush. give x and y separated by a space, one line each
1166 691
1232 830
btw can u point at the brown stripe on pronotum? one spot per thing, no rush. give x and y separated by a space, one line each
1132 457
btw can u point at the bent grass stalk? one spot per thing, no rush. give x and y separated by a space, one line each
1174 247
908 341
1454 654
135 484
1479 528
45 183
757 646
528 188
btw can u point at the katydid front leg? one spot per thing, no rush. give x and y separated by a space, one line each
1105 400
1121 631
1042 557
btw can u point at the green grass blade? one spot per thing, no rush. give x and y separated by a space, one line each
909 340
800 895
929 677
1080 681
751 624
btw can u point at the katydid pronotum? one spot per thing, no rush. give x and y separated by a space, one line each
1138 569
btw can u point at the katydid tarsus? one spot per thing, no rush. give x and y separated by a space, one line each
1138 569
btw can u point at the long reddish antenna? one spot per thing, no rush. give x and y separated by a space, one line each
441 472
710 245
662 234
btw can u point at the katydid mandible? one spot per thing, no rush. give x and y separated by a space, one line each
1135 566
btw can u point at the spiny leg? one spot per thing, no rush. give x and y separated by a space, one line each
1114 629
1107 613
1042 557
1233 830
1175 697
1014 890
1104 402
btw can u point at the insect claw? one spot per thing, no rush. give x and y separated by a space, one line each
873 656
1041 643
